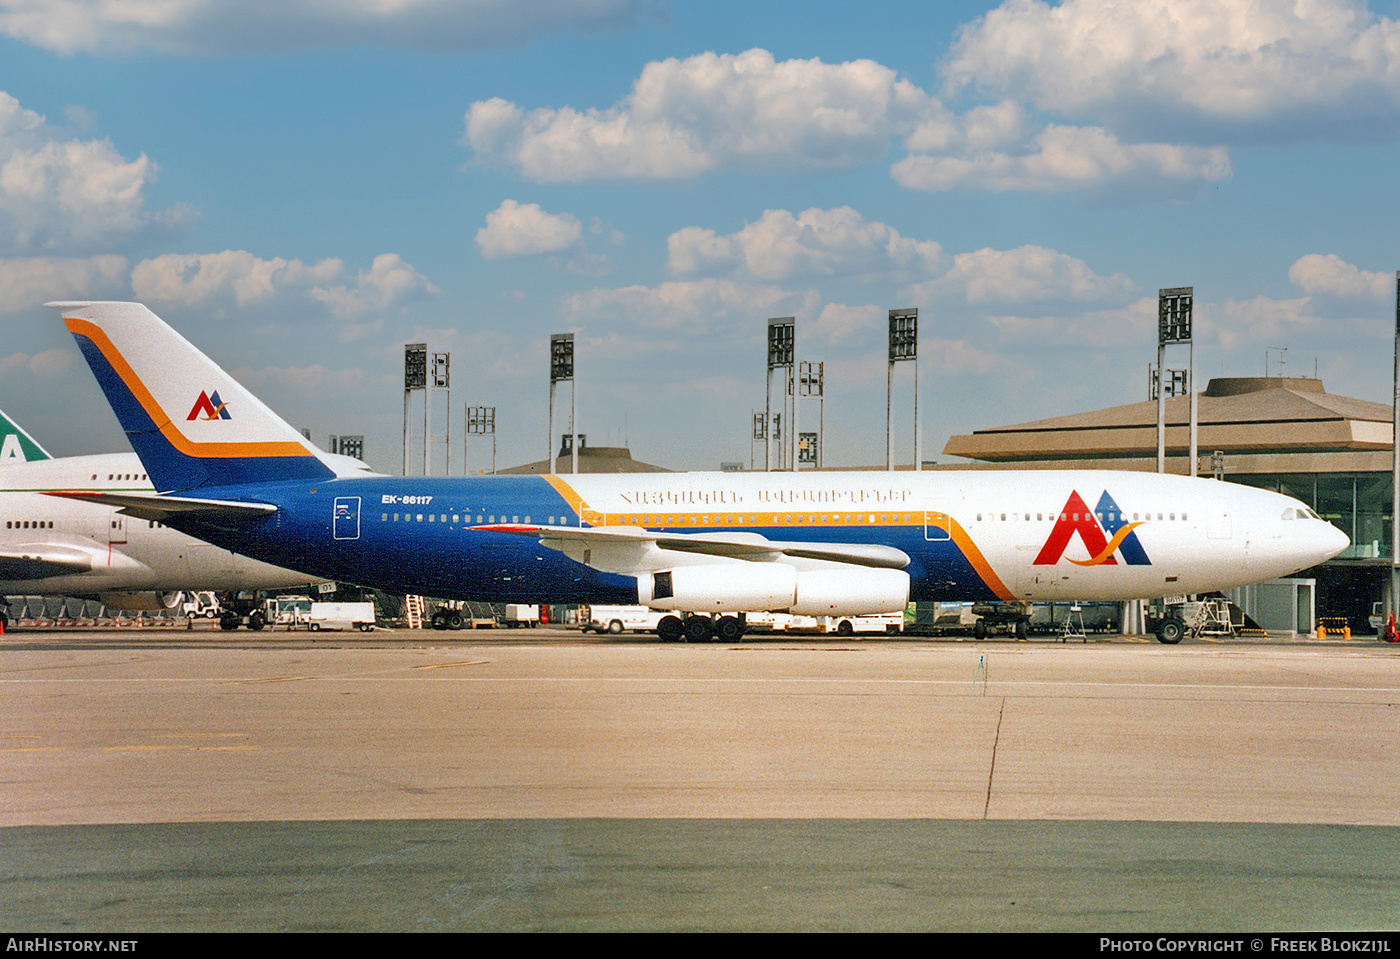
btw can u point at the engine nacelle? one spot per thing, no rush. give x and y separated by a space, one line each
727 588
775 587
138 602
831 592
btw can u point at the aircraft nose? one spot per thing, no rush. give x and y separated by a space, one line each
1331 541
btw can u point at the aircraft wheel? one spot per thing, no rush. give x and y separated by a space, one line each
670 629
729 629
228 621
439 621
699 629
1021 630
1170 630
979 630
256 622
615 627
454 620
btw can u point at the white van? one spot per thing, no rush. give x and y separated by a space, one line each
620 619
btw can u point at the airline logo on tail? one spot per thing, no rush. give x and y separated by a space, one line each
1103 531
11 451
16 446
209 407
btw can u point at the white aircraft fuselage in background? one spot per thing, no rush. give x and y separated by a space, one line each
831 543
56 546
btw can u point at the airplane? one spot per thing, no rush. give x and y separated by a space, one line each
65 547
705 545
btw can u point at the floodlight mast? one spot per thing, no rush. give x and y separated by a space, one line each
415 377
481 421
811 381
782 335
442 382
1174 309
561 367
904 346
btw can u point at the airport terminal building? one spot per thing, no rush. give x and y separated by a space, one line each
1284 434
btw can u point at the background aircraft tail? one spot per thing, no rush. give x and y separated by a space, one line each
191 423
17 446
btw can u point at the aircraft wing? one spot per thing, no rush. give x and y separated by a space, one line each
152 506
25 561
610 540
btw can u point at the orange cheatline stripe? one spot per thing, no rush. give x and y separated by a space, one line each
574 500
974 556
158 416
959 535
1110 549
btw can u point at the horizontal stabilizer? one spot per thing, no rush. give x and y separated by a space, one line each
151 506
25 561
746 546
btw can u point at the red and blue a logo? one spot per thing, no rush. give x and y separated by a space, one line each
1103 531
209 407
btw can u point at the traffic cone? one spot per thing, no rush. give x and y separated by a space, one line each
1391 636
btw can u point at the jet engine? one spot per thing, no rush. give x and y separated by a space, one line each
775 587
138 602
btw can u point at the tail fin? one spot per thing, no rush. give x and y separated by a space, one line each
190 422
17 446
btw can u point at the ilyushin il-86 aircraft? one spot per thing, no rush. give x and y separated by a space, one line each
707 545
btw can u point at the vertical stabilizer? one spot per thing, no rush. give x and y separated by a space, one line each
191 423
17 446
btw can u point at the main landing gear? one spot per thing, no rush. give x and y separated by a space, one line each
696 628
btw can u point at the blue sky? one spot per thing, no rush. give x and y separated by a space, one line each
301 188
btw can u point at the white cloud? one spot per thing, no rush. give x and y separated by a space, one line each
44 365
685 117
518 230
1024 274
211 27
67 194
1062 158
1099 330
1333 276
387 284
513 229
196 279
815 243
1224 63
193 278
751 112
1259 320
28 281
693 307
838 323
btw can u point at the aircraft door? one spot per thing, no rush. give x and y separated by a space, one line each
1218 522
116 529
937 521
346 518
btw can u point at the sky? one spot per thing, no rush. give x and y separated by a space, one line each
301 188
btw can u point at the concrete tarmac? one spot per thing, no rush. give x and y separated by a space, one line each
494 781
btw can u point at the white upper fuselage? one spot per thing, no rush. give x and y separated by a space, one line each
1191 535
